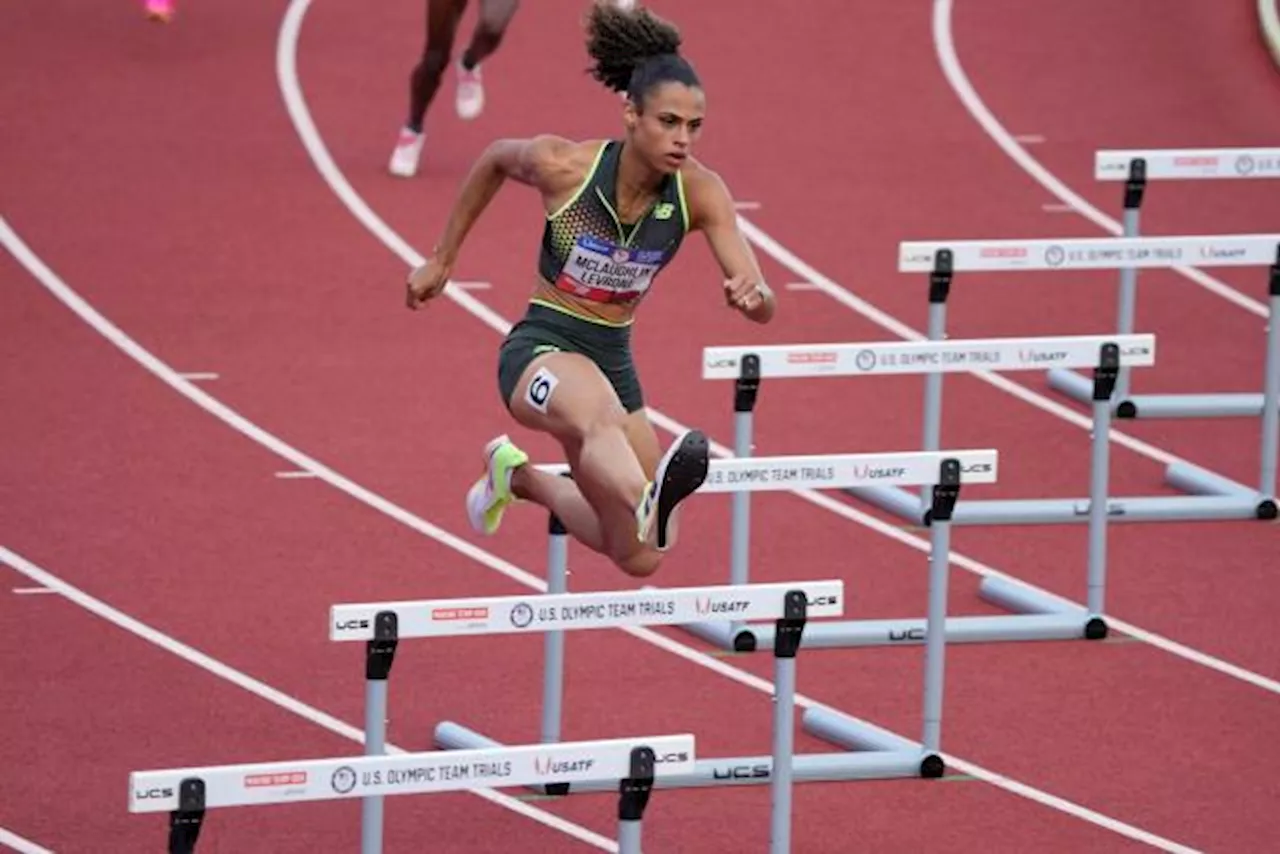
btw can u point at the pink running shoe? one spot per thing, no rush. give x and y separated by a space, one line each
161 10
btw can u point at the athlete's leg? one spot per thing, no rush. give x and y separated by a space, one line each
562 496
495 15
566 395
442 28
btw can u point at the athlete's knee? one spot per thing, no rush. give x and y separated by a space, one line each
494 18
434 61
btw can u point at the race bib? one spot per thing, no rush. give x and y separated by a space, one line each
604 272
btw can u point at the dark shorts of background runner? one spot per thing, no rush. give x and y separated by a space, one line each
608 346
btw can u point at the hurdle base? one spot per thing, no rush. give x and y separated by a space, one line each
906 761
1153 406
1198 481
1215 507
846 634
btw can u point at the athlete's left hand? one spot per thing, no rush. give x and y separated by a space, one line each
743 293
426 282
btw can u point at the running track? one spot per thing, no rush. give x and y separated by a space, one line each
175 194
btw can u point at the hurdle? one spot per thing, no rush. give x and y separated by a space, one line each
1135 167
871 752
382 625
1036 616
187 793
941 260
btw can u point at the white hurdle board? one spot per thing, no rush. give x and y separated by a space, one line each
344 777
595 610
837 471
1092 253
1188 164
926 357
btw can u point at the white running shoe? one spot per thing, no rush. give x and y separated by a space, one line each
408 151
681 471
470 95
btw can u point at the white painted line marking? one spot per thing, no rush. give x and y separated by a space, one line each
800 286
945 46
32 591
294 474
472 286
1029 138
1056 207
746 206
22 846
197 376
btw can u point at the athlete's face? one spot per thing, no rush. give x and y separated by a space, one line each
665 130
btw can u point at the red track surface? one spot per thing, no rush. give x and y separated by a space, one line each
156 171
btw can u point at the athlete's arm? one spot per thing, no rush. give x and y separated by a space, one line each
711 211
544 162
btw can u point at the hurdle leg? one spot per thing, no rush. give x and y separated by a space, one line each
379 656
1271 390
633 797
746 389
186 820
939 290
786 642
945 493
553 641
1126 311
1105 382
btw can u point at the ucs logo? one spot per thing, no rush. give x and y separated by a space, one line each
156 794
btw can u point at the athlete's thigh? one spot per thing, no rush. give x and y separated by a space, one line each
496 14
564 394
644 441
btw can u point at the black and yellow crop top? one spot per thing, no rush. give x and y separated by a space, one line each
587 251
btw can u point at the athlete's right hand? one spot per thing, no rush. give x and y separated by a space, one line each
426 283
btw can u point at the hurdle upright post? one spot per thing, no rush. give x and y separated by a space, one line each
1105 382
633 797
553 640
1271 389
380 654
786 643
945 493
1126 311
745 391
185 821
939 290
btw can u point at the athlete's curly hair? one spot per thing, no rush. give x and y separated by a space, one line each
634 50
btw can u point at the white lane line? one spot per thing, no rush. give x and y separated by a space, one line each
32 591
266 692
944 43
198 376
294 474
19 844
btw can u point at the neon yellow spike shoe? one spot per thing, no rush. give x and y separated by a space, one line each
489 496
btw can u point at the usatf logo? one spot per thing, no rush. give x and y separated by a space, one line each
1245 164
545 766
710 606
1055 256
865 360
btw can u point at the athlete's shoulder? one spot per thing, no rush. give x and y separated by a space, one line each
706 193
554 162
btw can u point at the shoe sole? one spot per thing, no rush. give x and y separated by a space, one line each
679 475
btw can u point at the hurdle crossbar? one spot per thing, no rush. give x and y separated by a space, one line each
382 625
632 764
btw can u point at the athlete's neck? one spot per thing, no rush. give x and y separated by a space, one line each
636 179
